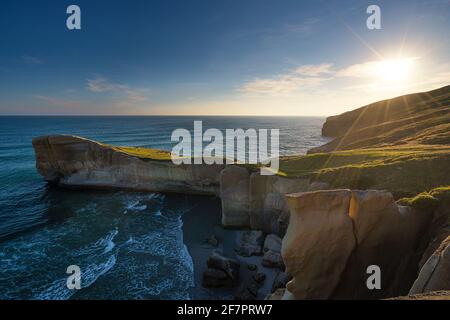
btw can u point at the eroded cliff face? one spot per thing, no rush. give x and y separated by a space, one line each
234 193
334 236
77 162
249 200
269 210
256 201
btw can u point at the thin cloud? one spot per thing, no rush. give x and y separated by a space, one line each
102 85
303 77
312 70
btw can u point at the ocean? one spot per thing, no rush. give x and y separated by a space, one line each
130 245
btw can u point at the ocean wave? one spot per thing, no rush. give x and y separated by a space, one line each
58 290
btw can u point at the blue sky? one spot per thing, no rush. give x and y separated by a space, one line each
217 56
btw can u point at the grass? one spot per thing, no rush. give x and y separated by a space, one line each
428 199
403 171
422 118
145 153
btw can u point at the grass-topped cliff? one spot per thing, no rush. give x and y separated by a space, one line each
410 120
400 144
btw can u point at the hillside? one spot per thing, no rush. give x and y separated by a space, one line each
400 144
411 120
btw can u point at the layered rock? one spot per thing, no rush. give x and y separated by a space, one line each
268 207
234 193
334 236
74 161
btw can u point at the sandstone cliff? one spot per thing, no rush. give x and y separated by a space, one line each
249 200
334 236
78 162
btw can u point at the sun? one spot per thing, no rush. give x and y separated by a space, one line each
395 70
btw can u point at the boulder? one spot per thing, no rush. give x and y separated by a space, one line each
229 267
259 277
272 242
272 259
234 192
435 274
250 243
215 278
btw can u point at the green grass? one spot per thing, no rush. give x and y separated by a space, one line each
428 199
145 153
403 171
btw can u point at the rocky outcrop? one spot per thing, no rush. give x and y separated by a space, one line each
221 272
334 236
74 161
435 274
234 192
272 252
250 243
268 207
248 200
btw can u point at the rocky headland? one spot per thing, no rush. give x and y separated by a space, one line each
377 195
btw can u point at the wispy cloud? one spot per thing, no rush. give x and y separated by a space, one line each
313 70
130 95
373 75
302 77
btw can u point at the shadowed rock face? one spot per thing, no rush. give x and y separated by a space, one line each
74 161
234 192
333 236
435 274
268 207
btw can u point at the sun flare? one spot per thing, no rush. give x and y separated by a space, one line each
396 70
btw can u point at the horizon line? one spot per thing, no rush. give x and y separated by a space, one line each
154 115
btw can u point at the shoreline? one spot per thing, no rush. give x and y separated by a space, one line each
199 224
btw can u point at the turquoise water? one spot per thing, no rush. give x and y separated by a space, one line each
129 245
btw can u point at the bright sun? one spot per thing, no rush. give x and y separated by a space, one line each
396 70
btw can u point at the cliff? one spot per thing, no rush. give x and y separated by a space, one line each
77 162
249 200
335 236
415 119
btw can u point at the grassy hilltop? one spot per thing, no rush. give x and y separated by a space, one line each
401 144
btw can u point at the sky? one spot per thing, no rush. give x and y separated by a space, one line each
217 57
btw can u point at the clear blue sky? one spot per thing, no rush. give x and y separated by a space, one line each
217 56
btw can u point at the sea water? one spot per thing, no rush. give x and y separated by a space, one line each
129 245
